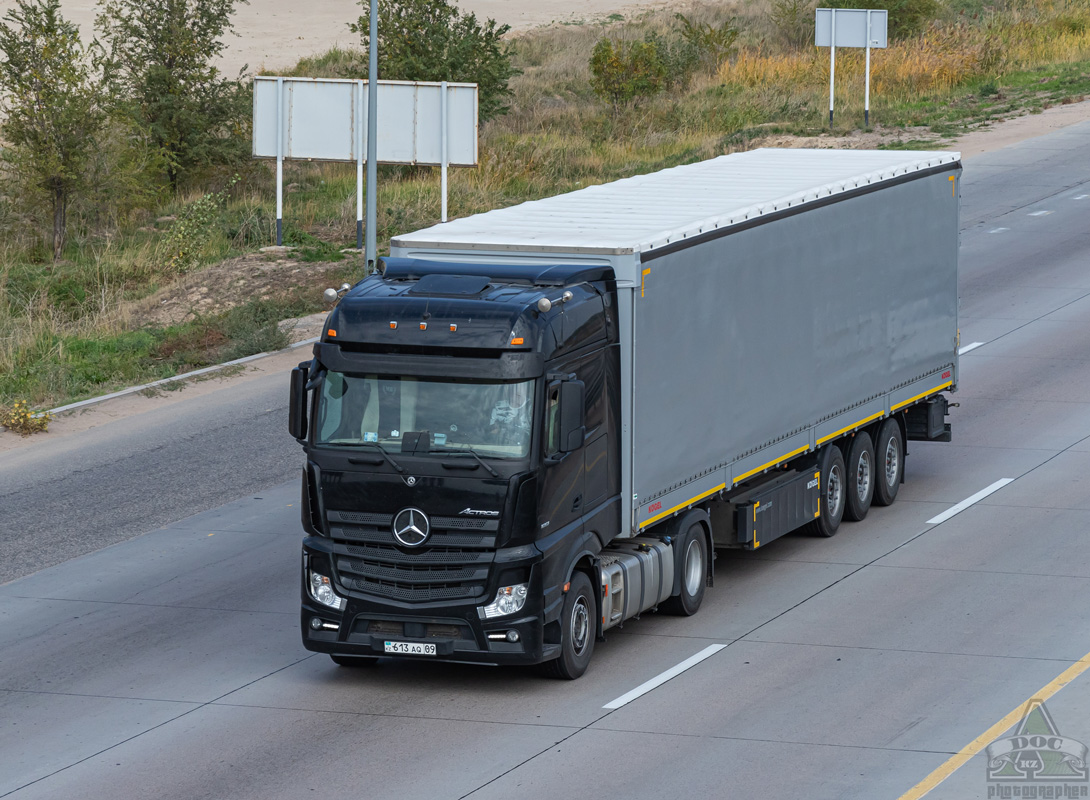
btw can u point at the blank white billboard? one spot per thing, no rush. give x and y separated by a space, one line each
851 27
326 120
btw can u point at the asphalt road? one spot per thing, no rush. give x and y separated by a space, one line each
169 665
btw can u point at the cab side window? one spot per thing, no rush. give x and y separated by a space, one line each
552 420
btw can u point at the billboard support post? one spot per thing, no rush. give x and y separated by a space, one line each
832 65
866 84
443 146
359 165
372 136
279 162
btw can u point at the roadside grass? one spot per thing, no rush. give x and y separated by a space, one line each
69 330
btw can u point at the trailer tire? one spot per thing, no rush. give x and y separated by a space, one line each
889 451
693 566
860 469
577 631
354 661
833 489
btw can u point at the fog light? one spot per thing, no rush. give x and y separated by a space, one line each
315 624
509 600
321 589
512 636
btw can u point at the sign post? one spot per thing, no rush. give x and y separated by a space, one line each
372 138
850 27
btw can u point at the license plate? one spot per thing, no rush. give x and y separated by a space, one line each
410 648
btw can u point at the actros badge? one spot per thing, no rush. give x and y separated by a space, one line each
411 527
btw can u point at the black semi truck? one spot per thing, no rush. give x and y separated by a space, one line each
533 424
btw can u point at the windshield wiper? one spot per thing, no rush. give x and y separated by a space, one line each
381 449
473 453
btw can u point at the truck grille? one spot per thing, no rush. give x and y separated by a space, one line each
453 565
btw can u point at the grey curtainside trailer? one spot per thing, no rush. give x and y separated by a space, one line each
537 422
769 301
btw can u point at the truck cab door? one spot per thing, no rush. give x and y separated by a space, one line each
562 488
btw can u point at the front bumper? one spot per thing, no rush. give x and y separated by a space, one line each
365 625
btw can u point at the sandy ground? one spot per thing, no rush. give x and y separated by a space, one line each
277 33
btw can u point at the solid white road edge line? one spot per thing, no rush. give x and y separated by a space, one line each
658 680
193 374
973 346
964 504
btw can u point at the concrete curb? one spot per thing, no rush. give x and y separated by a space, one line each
185 376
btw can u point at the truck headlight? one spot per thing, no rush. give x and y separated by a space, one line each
321 589
509 600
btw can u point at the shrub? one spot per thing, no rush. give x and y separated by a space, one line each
20 419
191 232
626 71
793 21
712 45
906 17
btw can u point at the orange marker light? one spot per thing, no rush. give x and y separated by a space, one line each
517 340
332 333
453 328
393 325
423 326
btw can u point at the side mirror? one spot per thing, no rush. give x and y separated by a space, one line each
572 415
297 402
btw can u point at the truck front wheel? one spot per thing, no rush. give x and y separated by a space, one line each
833 489
577 631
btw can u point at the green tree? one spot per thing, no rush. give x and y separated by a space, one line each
51 104
625 71
159 63
431 40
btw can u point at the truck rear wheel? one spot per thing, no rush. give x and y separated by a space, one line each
577 631
693 566
861 478
889 451
831 502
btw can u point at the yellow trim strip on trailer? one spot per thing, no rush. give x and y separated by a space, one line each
854 425
772 463
670 511
912 400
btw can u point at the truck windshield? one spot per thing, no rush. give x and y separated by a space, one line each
421 415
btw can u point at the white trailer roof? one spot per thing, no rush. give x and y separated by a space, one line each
644 212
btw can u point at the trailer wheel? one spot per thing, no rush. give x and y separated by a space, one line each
860 470
693 565
889 450
577 631
833 489
354 661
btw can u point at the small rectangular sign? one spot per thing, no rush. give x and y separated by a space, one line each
851 27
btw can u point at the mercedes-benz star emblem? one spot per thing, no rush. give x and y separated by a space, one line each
411 527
